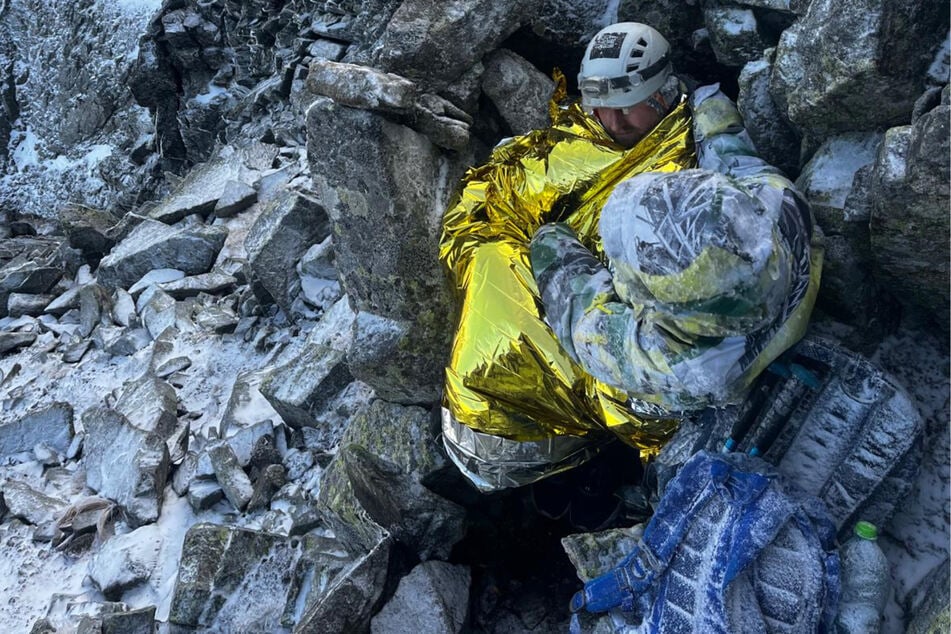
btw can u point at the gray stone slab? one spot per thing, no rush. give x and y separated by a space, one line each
283 233
433 597
52 425
236 197
231 477
154 245
28 504
125 464
300 389
150 404
240 580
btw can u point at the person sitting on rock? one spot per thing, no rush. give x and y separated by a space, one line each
615 274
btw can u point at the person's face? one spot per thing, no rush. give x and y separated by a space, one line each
627 126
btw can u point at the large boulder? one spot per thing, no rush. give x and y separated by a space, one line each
72 118
156 245
385 188
734 34
398 443
300 389
433 597
519 90
775 140
52 425
150 404
843 56
233 579
909 215
125 464
434 43
831 183
202 188
290 225
353 595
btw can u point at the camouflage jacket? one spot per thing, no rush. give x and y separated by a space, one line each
710 274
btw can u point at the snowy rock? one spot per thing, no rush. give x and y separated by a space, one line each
204 494
156 277
829 181
121 342
88 230
795 6
433 597
318 276
401 436
13 340
19 304
519 90
236 197
125 561
297 504
74 352
909 222
201 189
123 308
414 42
66 301
347 604
932 615
232 579
246 406
72 110
159 311
774 138
28 504
231 477
52 425
28 277
300 389
286 229
831 64
396 357
125 464
73 614
94 305
246 442
361 86
150 404
264 454
217 319
213 283
318 261
271 479
176 364
297 462
415 516
361 171
154 245
570 24
733 34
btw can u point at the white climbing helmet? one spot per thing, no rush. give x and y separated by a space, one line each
624 64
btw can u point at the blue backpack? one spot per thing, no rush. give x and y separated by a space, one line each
729 549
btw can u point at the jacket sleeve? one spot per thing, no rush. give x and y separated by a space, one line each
653 350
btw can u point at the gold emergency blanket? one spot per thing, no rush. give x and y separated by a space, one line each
508 376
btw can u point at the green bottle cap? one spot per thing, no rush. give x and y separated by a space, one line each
866 530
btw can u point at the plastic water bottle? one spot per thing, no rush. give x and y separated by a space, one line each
865 582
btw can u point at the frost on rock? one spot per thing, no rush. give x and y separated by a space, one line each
77 124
